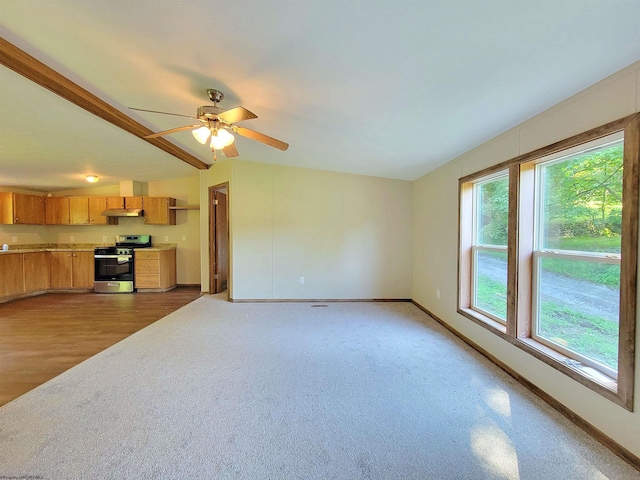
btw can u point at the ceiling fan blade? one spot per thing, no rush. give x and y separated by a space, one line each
230 151
261 137
237 114
173 130
163 113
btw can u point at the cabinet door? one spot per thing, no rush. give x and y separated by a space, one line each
56 210
83 270
60 269
79 210
97 205
133 202
156 211
36 271
28 209
10 274
115 202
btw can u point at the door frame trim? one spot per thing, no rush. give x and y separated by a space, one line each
212 238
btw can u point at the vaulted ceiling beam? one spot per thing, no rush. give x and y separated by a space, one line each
21 62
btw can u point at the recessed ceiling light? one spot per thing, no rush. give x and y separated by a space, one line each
92 178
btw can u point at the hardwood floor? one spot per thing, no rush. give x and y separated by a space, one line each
42 336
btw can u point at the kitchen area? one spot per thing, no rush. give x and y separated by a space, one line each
52 241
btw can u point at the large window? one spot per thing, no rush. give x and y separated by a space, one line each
576 257
489 271
548 254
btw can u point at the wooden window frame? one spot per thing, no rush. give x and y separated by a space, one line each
520 262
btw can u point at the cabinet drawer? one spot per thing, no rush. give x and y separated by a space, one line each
147 266
141 254
145 280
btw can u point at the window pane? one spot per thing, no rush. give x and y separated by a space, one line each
582 206
493 212
578 307
491 282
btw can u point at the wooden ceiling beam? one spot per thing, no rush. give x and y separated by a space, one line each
29 67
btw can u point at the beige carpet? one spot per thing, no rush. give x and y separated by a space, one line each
284 391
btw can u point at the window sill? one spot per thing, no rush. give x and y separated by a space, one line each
483 320
587 376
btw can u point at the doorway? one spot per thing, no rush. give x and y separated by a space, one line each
218 238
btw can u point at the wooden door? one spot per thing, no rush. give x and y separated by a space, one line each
221 241
132 202
97 205
82 270
11 280
115 202
79 210
60 269
156 210
36 271
28 209
56 210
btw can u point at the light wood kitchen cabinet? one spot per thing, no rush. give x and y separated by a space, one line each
11 277
57 210
36 271
133 202
79 210
20 208
72 269
155 270
97 205
115 202
157 211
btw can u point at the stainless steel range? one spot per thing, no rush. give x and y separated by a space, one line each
114 266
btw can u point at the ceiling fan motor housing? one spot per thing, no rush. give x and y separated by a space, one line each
209 112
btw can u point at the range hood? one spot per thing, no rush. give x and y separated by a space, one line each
123 212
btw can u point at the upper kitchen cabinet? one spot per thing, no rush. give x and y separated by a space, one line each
79 210
20 208
133 202
157 211
115 202
57 210
97 205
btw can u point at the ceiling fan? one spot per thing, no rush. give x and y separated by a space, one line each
216 124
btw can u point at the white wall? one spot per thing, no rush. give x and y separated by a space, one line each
435 230
348 235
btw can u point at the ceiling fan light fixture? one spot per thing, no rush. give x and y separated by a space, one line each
92 178
202 134
220 139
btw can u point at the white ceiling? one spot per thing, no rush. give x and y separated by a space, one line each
387 88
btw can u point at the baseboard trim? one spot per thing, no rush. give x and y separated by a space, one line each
316 300
603 438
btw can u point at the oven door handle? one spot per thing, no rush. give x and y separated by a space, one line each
121 258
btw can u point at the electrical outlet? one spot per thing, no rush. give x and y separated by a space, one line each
14 239
301 280
184 238
437 293
72 238
166 238
104 238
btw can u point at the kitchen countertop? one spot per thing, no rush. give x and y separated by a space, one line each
76 247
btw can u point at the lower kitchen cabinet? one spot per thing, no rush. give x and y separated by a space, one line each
72 269
11 277
22 273
155 270
36 271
